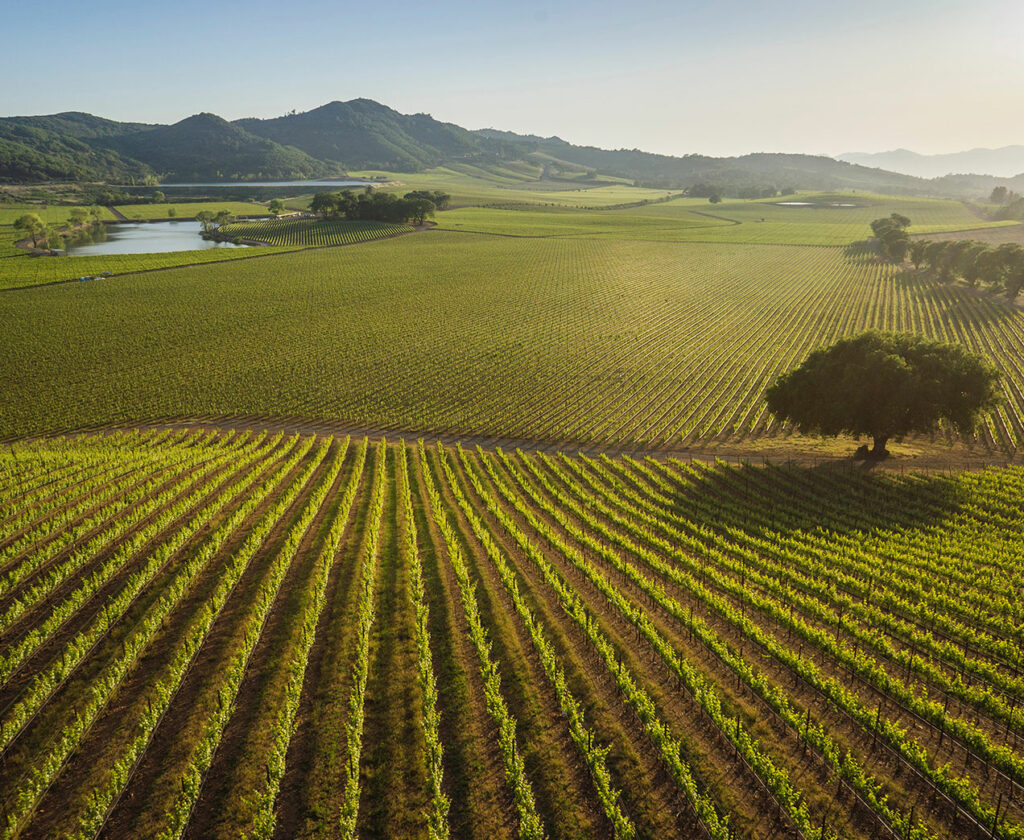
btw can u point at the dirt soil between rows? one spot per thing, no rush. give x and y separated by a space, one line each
914 454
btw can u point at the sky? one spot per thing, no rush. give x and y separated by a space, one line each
690 76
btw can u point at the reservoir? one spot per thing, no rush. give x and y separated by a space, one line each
145 238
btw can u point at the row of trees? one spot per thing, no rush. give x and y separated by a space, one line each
415 207
892 236
1001 268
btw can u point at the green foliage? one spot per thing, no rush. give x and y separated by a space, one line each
205 147
885 385
892 236
38 271
186 574
312 232
373 206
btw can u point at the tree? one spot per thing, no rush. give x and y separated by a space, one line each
715 198
885 385
891 232
1011 260
78 216
171 212
998 195
276 206
917 251
159 197
972 262
438 198
205 218
32 226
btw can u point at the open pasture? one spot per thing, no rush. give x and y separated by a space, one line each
220 635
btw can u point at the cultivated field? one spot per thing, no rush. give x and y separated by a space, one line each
617 342
312 233
22 270
217 635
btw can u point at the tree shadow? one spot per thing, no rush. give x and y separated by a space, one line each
847 497
955 302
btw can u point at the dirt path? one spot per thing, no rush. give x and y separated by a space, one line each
915 454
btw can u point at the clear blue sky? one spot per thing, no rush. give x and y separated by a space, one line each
673 77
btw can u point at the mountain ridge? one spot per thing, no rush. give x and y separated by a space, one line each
1002 162
362 134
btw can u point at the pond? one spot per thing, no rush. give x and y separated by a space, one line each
144 238
810 204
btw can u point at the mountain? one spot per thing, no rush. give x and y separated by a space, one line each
207 147
38 150
363 134
1005 162
748 171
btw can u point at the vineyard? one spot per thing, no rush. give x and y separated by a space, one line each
21 270
217 634
312 232
612 342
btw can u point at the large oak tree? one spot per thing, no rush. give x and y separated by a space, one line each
885 385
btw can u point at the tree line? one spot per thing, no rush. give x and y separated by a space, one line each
413 208
999 267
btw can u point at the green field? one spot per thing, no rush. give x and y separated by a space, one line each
470 185
247 634
312 232
247 607
612 341
26 270
189 209
51 214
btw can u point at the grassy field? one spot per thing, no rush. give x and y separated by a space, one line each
611 341
220 635
471 185
51 214
189 209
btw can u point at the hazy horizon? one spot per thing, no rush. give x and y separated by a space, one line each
682 78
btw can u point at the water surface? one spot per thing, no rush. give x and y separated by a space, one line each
146 238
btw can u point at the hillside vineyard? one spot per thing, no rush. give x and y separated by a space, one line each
218 634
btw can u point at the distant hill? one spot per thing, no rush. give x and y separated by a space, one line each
207 147
54 148
764 169
363 134
1006 162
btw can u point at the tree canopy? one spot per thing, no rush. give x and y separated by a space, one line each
374 206
885 385
892 235
31 225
